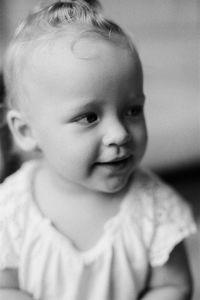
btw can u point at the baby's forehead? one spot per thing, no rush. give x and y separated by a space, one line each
85 46
60 66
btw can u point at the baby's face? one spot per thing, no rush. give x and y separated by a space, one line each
87 113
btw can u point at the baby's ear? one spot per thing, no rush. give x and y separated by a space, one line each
21 130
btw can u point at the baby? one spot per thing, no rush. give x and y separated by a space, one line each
83 221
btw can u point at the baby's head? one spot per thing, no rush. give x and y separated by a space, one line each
68 19
74 82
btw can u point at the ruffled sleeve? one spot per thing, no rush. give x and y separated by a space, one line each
172 222
11 222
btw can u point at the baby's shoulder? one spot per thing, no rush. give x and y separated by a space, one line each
164 217
153 197
13 192
13 215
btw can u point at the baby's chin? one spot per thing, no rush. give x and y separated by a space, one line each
115 186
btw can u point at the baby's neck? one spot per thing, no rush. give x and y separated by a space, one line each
75 212
64 187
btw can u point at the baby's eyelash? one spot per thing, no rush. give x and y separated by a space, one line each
135 111
87 118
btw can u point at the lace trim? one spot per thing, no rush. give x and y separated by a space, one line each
13 203
165 219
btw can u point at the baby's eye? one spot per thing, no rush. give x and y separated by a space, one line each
88 118
135 111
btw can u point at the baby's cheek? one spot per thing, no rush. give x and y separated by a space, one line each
140 134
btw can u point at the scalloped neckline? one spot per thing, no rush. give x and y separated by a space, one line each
110 228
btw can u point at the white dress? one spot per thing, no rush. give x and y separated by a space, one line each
151 221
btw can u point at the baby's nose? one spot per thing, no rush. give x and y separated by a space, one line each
116 134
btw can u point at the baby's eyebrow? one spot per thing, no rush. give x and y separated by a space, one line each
140 97
91 104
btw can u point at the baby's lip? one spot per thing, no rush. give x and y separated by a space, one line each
116 159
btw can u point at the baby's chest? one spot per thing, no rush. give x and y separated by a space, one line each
82 235
51 268
84 227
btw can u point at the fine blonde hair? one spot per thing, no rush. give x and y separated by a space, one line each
48 21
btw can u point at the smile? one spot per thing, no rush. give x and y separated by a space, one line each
118 164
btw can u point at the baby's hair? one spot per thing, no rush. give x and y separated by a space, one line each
48 21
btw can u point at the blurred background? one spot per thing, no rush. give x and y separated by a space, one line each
167 35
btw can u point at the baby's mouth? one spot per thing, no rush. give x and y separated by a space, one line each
116 164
